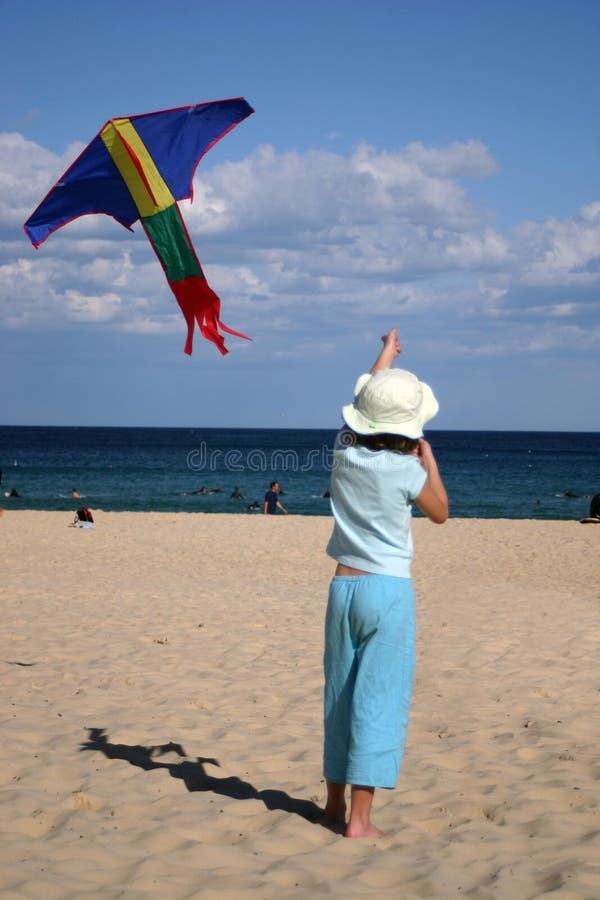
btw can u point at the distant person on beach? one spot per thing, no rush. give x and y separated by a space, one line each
75 494
594 516
272 502
381 465
236 494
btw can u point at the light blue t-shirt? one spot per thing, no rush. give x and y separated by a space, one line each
371 498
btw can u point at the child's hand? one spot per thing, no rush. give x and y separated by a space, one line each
425 454
391 343
390 350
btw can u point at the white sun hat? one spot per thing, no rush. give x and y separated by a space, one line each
392 401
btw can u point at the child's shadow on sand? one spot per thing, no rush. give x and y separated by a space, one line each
195 777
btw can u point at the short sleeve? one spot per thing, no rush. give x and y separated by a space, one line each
416 478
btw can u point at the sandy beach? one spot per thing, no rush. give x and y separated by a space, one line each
161 698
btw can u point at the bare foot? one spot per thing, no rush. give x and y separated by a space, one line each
355 831
335 821
335 815
335 807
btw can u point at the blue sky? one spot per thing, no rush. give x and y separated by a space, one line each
430 165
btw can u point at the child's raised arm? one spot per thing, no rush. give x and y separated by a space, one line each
391 349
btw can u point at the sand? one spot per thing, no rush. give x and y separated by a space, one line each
161 697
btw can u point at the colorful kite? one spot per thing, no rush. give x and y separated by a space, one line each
137 168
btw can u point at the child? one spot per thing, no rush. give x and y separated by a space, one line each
380 466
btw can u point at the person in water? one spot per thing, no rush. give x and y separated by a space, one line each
381 466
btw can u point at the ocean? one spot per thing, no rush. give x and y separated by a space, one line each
488 474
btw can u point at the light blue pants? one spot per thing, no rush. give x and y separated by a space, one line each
369 665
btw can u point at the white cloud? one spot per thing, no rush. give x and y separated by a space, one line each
279 193
147 325
88 308
301 238
561 252
468 158
27 172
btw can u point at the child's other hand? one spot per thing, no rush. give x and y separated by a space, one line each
424 452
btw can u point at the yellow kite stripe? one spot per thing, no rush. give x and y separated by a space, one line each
116 134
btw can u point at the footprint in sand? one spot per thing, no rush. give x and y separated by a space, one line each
79 800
